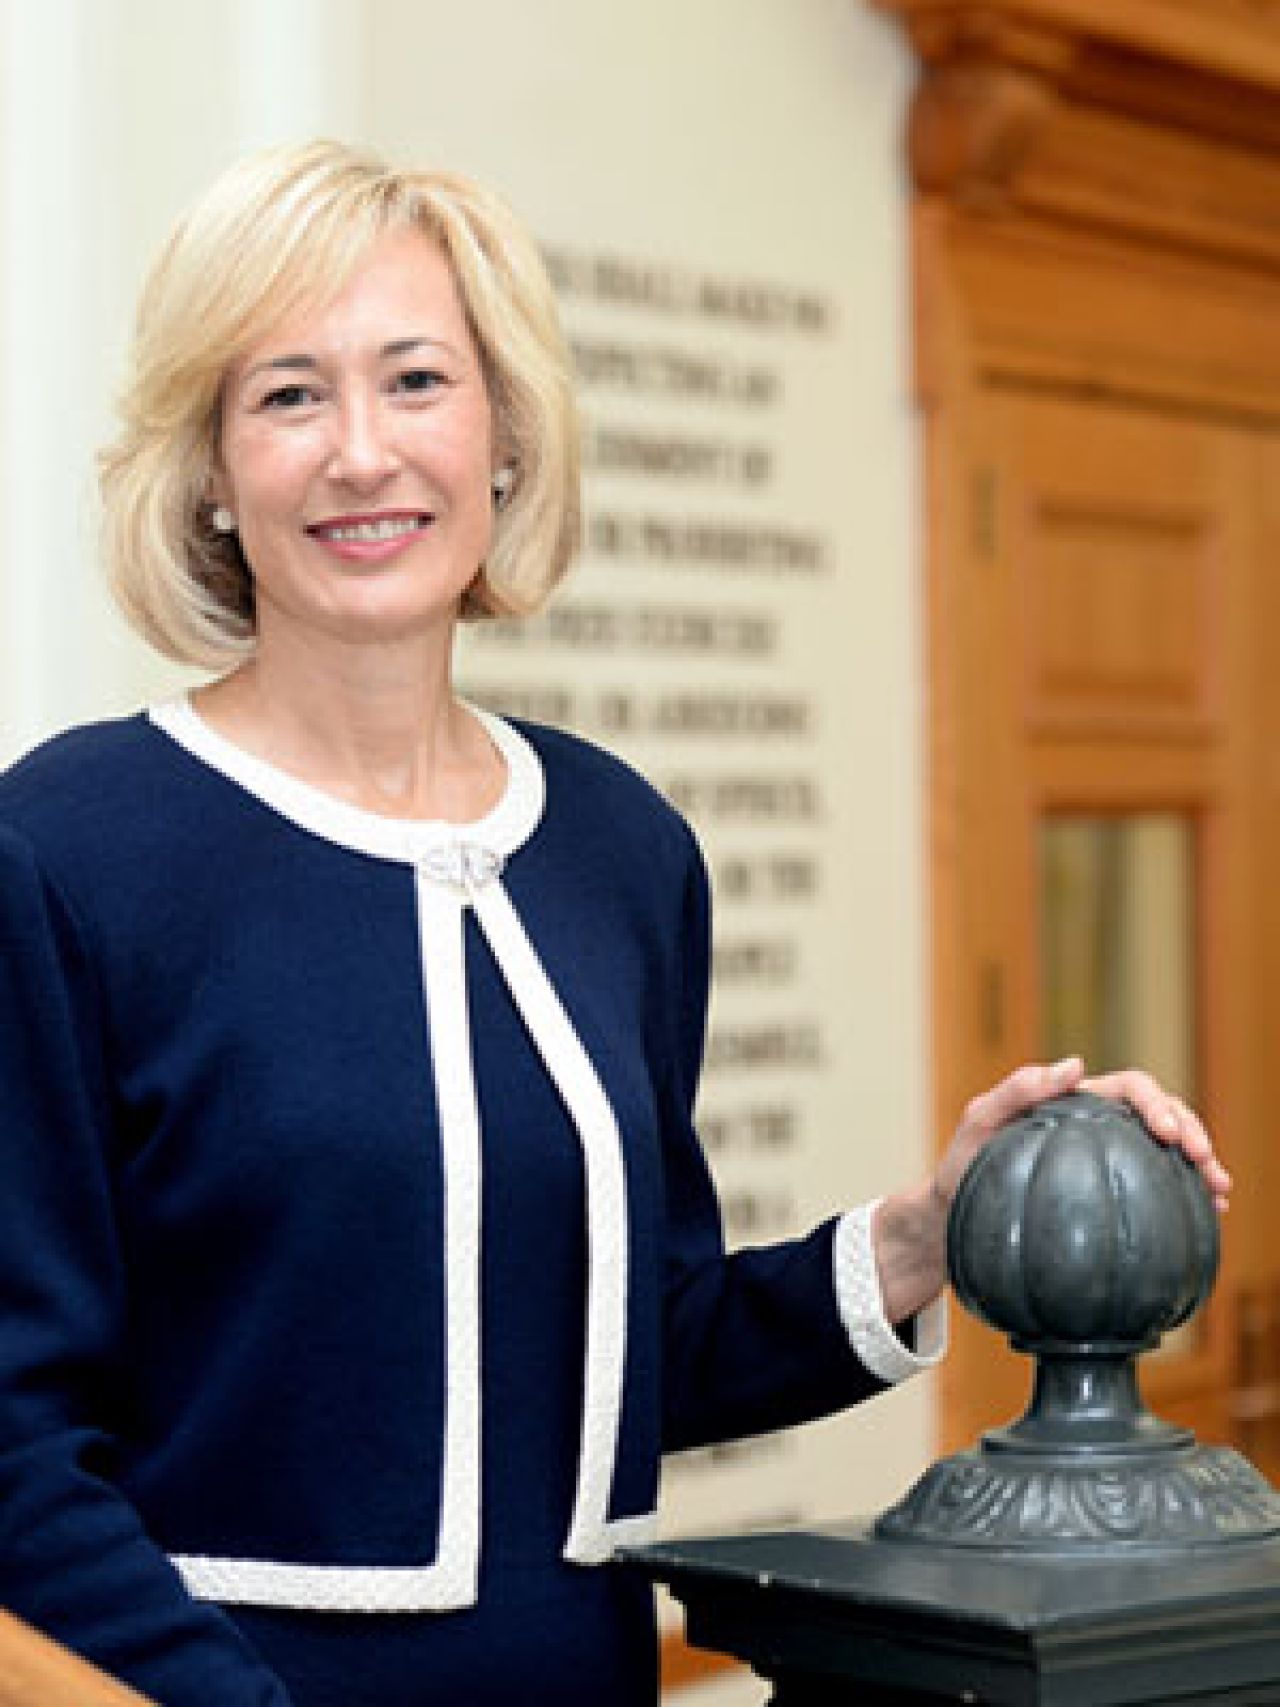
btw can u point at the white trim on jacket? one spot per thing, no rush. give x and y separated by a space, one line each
456 867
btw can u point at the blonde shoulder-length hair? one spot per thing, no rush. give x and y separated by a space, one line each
276 231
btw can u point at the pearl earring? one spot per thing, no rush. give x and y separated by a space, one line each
222 519
503 480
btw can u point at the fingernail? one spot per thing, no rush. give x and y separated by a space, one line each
1066 1065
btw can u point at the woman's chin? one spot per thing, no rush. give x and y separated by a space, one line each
364 615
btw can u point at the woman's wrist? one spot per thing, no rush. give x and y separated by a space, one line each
909 1236
891 1353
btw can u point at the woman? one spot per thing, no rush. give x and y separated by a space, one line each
360 1257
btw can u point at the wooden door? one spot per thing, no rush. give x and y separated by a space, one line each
1106 647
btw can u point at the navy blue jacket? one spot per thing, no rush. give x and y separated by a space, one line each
316 1130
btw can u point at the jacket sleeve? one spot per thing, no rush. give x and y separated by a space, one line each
75 1560
753 1340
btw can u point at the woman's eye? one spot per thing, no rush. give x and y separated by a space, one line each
419 380
288 397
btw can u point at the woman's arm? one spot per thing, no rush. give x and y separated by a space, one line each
760 1338
75 1560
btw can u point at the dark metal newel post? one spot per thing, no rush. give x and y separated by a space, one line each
1086 1555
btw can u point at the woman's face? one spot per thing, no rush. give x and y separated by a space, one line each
356 455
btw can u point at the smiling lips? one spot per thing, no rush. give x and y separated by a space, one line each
371 538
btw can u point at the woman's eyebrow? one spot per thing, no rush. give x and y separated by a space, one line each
396 347
281 361
404 346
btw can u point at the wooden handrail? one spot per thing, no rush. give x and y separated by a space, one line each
37 1672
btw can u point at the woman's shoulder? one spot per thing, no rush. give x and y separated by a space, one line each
613 837
83 757
85 789
596 788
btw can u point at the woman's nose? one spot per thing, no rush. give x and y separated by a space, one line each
363 453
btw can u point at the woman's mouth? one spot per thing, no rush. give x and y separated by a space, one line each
370 538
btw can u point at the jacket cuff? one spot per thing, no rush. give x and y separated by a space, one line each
861 1306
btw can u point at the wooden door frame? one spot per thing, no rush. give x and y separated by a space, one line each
1130 150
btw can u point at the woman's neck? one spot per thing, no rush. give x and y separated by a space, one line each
377 727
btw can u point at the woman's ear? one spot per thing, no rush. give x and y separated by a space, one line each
215 502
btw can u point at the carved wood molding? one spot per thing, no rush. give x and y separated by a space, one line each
1019 301
973 126
1236 42
1156 118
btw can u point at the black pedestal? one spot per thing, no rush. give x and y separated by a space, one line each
836 1617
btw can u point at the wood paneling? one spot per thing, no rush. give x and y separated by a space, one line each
1117 541
1109 583
1104 319
1097 265
682 1666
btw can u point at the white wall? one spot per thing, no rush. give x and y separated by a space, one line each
115 113
755 139
744 137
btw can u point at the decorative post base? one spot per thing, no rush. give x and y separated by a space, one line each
839 1617
1089 1555
1190 1496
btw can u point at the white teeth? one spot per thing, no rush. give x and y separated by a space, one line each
391 527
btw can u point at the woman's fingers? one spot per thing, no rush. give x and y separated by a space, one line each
987 1113
1021 1090
1170 1118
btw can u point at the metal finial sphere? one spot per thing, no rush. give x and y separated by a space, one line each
1075 1226
1084 1239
